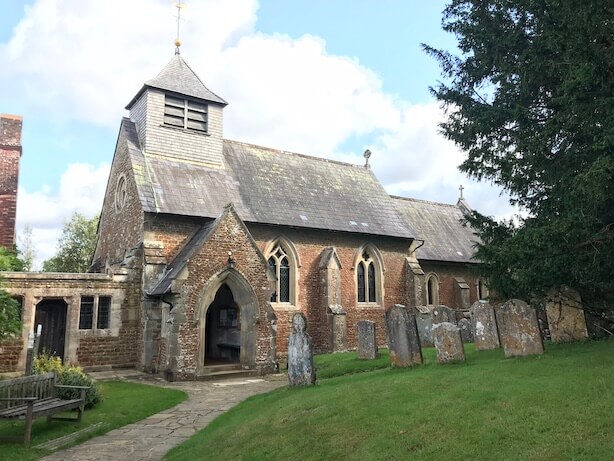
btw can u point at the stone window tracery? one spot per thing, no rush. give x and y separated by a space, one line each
282 261
369 276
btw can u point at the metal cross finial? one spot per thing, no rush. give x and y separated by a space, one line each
367 155
461 188
179 6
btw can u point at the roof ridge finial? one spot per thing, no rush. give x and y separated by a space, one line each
367 155
461 188
179 6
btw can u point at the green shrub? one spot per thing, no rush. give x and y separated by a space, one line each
68 375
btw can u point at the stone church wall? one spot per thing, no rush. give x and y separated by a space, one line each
450 276
120 228
310 245
116 346
196 290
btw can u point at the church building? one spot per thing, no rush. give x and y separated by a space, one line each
207 247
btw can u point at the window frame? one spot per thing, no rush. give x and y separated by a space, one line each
290 254
95 312
370 264
430 292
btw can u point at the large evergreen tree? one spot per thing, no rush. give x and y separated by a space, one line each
529 97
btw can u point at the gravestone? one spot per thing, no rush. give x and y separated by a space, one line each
443 314
425 326
464 325
519 329
403 342
566 320
448 343
484 326
367 347
300 354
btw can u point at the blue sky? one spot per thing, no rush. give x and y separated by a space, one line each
326 78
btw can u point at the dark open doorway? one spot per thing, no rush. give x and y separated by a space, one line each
223 329
51 314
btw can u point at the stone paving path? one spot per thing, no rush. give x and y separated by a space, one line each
152 437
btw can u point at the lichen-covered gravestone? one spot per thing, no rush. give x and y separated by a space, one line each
443 314
300 354
519 329
464 325
448 343
566 320
367 347
403 342
484 326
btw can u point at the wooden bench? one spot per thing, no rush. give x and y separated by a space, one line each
34 396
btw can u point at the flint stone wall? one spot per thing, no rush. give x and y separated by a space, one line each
519 329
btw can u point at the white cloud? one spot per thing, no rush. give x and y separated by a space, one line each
81 189
83 61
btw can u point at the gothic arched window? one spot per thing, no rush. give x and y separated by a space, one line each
368 276
282 260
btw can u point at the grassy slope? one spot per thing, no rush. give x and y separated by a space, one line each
124 403
550 407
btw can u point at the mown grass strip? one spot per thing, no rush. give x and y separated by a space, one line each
550 407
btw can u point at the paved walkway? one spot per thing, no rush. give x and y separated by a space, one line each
152 437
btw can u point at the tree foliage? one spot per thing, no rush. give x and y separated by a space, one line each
530 98
76 245
10 321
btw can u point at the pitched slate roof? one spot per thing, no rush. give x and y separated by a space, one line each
268 186
177 76
440 225
181 260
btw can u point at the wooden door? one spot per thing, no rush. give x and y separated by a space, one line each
51 314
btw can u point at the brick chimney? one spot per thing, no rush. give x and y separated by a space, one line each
10 153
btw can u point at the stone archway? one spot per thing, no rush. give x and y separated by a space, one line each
229 284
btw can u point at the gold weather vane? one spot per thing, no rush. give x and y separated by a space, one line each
179 7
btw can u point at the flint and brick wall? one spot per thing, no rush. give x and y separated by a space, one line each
10 153
120 230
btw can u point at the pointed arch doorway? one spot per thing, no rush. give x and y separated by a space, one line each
223 329
229 317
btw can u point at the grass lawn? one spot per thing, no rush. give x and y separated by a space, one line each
559 406
124 403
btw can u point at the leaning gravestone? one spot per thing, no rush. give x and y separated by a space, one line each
300 354
403 342
367 347
448 343
443 314
484 326
464 325
566 320
519 329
